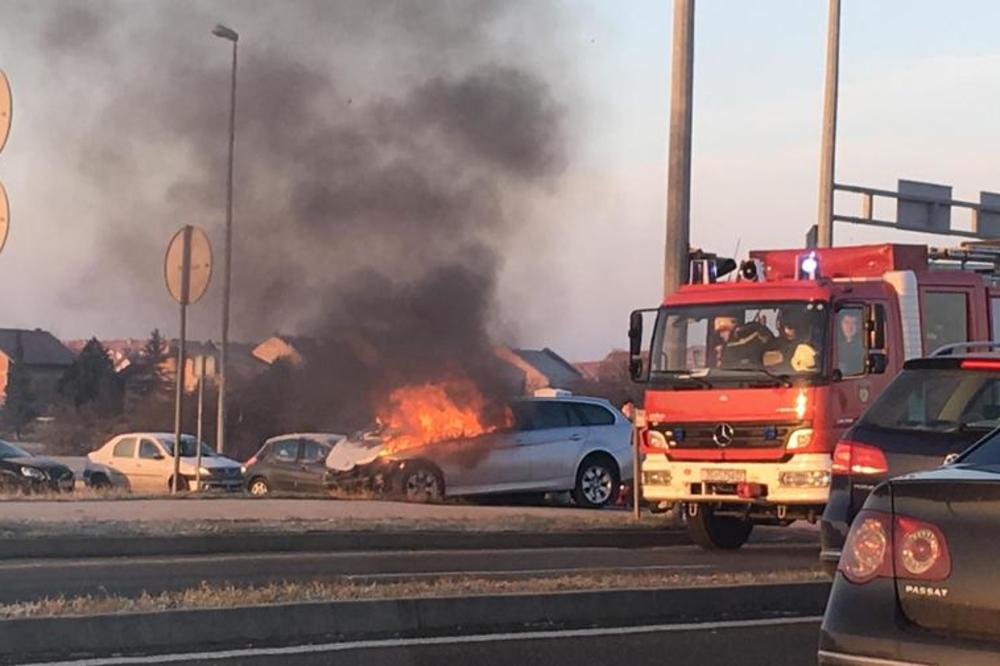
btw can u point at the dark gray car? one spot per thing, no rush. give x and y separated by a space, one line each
290 463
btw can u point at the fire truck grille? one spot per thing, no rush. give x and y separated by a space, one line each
729 435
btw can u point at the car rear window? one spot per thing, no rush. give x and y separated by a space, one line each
314 451
124 448
942 400
593 415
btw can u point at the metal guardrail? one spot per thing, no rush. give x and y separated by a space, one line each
985 222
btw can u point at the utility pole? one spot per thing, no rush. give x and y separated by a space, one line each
675 265
230 35
827 161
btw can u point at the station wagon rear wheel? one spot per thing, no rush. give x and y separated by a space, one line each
596 482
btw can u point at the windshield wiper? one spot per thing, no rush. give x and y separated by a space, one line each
781 379
687 375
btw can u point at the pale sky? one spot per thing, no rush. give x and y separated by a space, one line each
919 99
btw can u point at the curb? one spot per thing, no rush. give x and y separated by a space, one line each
288 623
273 542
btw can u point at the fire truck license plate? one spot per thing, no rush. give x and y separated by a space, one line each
724 475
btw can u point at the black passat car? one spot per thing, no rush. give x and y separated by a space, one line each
21 471
291 463
935 408
917 582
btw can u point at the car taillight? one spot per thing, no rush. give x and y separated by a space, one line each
921 550
868 543
911 549
856 458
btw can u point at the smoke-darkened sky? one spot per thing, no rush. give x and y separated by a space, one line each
519 144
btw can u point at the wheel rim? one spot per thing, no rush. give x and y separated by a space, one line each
422 483
597 484
258 487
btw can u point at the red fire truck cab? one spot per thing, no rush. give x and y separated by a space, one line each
751 381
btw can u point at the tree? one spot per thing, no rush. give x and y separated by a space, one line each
92 380
19 408
149 375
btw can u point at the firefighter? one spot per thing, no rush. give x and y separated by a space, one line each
746 345
793 349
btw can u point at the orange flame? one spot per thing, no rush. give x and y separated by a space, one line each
427 413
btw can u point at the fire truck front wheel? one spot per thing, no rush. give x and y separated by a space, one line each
713 532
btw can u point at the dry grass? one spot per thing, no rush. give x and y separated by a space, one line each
207 596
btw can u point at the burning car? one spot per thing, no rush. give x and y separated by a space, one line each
570 444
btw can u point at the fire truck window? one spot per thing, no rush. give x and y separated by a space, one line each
946 319
850 347
995 318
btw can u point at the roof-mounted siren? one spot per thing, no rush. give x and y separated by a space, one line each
752 270
808 266
708 268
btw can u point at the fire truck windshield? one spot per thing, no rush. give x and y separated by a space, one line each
726 343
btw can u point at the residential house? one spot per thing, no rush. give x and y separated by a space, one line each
289 348
540 368
44 356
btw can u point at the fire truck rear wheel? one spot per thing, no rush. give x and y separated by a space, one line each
713 532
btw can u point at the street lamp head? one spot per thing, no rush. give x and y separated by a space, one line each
226 33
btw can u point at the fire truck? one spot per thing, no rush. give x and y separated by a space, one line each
754 370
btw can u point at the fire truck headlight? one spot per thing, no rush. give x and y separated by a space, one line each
808 479
657 478
657 440
799 439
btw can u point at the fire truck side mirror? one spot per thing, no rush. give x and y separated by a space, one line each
877 363
875 326
635 345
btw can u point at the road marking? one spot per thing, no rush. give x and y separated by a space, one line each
390 643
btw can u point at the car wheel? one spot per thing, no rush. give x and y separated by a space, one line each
258 486
713 532
100 483
596 482
421 482
182 485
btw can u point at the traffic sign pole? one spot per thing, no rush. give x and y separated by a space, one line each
187 270
179 398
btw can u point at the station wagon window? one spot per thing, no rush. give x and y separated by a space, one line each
545 415
287 450
125 448
314 451
148 450
593 415
946 318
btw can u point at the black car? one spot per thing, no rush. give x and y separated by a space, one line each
935 408
290 463
22 472
917 582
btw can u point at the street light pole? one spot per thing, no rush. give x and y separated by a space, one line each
675 268
220 442
824 219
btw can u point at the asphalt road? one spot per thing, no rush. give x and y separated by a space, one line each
26 580
768 642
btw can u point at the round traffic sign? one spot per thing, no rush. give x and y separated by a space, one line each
6 109
4 216
200 264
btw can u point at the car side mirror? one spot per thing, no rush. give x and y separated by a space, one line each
836 376
877 363
158 456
